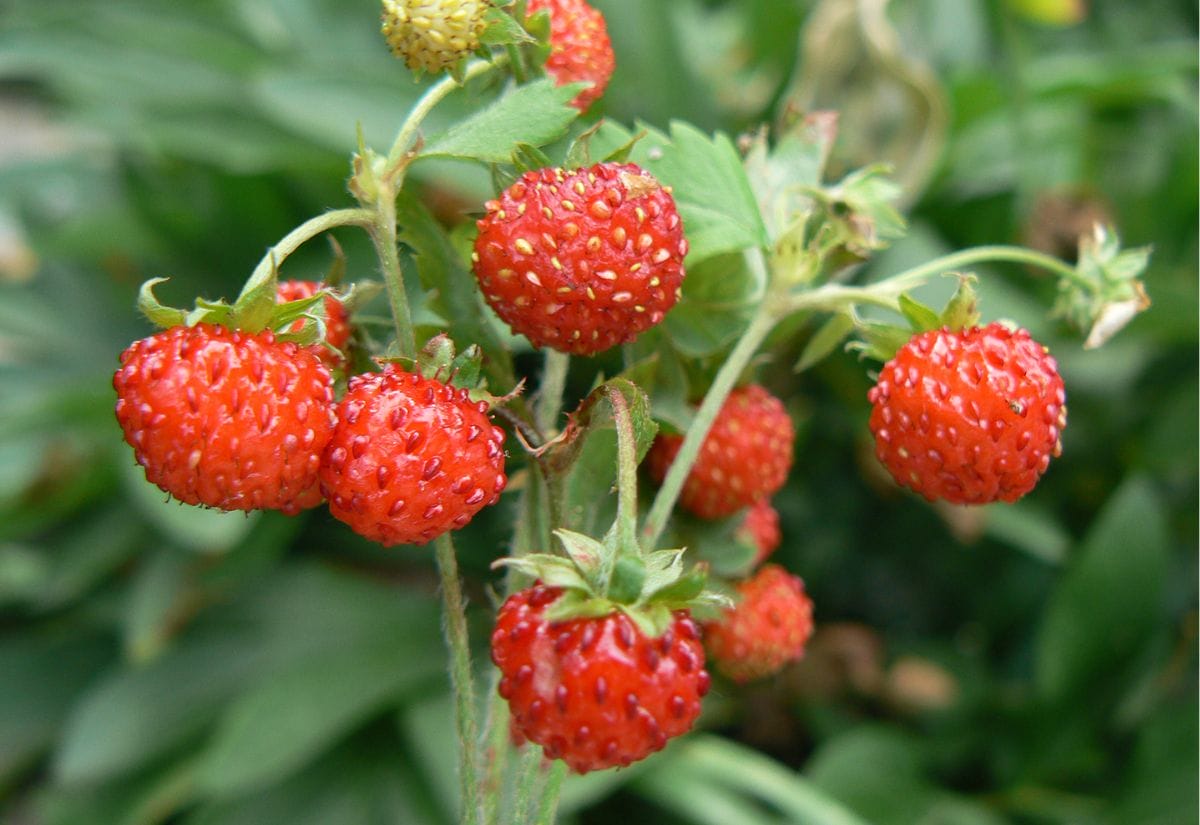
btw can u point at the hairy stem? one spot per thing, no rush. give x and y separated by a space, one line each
528 773
383 233
626 471
551 794
496 751
760 325
550 394
460 677
432 97
308 230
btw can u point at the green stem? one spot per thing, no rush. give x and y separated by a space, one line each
760 325
432 97
306 231
550 394
460 677
551 794
984 254
626 471
495 742
528 773
383 233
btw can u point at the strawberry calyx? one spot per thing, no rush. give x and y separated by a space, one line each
257 308
440 361
599 578
881 341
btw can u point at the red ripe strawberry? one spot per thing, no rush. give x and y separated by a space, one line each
970 417
227 419
581 261
596 692
580 50
337 322
411 458
768 628
745 457
761 529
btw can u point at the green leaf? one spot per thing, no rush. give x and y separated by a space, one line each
737 780
781 176
537 114
877 771
712 193
719 296
1109 599
443 271
152 600
290 718
527 158
43 676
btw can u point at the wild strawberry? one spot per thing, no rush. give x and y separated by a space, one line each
764 631
580 50
970 417
433 35
583 260
337 322
745 456
410 458
761 529
596 692
226 419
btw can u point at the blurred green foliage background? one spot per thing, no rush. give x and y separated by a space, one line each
1029 664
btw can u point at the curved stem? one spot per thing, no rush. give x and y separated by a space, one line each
432 97
305 232
383 233
460 677
760 325
983 254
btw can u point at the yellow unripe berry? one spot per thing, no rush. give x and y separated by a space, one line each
433 35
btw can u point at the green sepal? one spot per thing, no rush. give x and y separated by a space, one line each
587 553
962 310
366 166
621 153
528 158
920 317
210 312
501 29
652 620
1107 292
880 342
825 340
552 571
254 308
662 568
439 360
577 604
155 312
627 579
684 589
502 177
337 267
579 153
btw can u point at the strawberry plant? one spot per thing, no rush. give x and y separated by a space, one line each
592 313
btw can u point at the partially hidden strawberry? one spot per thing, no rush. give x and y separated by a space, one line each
580 50
970 417
227 419
760 528
581 260
433 35
768 628
596 692
411 458
745 456
337 321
